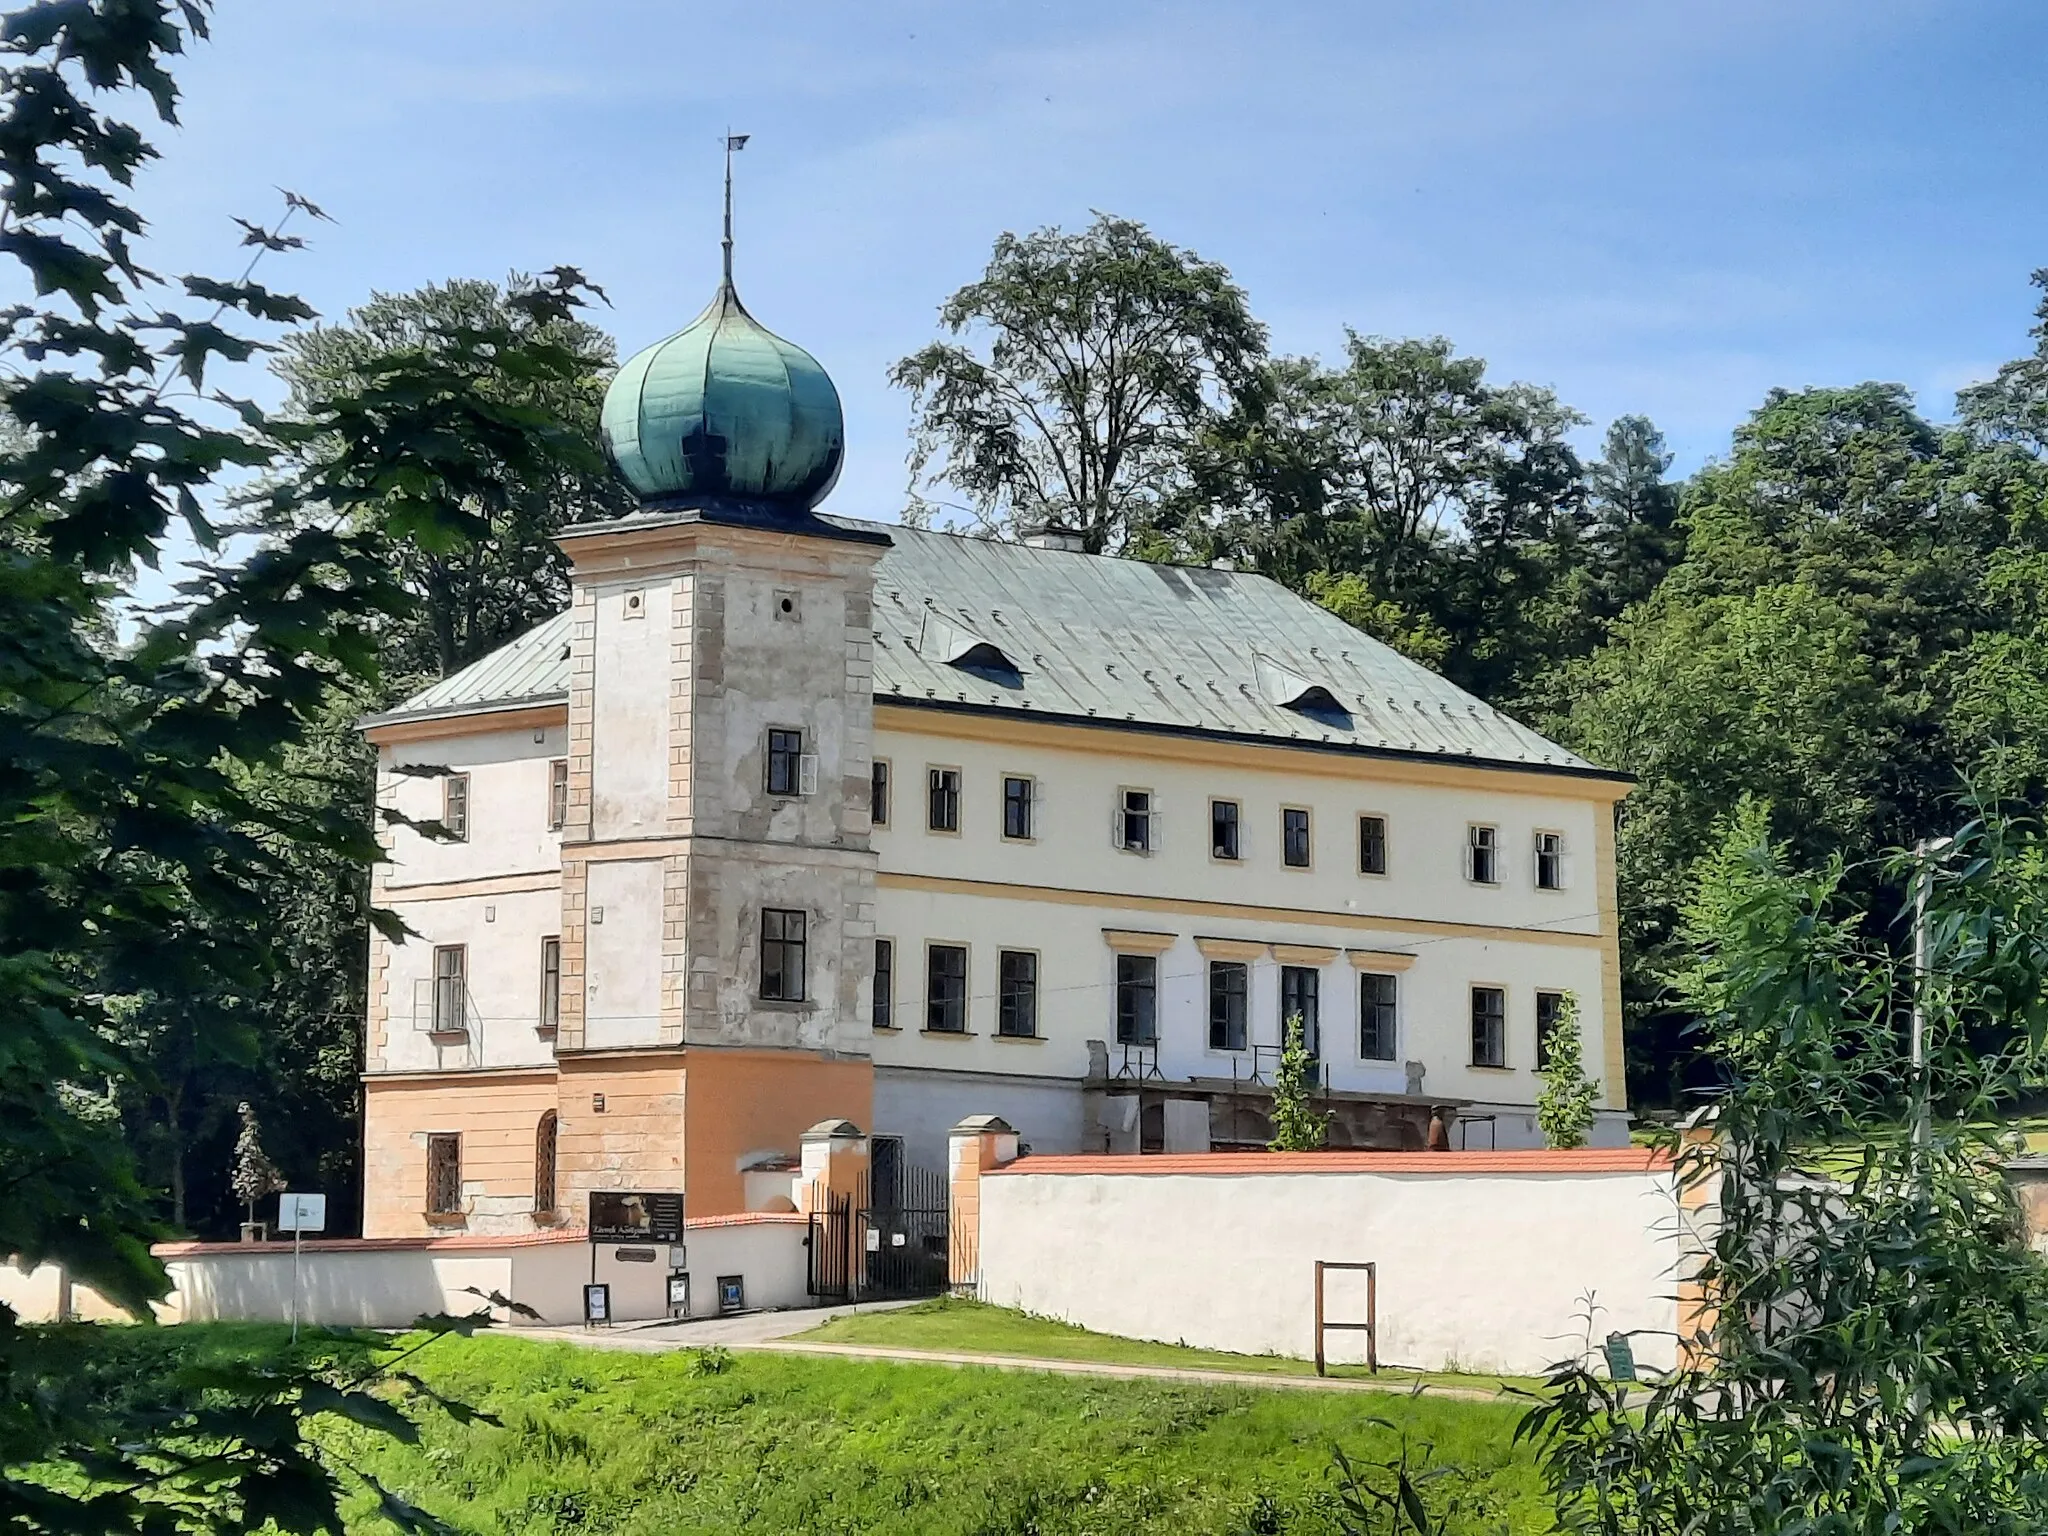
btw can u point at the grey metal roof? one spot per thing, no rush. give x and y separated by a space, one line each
1110 642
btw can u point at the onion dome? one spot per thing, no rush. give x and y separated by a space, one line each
725 411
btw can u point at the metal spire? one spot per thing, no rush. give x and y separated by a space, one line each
733 141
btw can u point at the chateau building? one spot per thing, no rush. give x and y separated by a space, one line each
793 818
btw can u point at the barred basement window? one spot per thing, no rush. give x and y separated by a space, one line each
885 984
455 806
558 794
1229 990
785 762
1489 1027
1017 994
1137 999
444 1174
1376 994
544 1165
782 955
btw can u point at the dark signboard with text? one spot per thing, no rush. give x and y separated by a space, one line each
640 1216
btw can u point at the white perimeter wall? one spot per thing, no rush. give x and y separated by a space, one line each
379 1286
1486 1272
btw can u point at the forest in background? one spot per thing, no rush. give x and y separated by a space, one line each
1844 616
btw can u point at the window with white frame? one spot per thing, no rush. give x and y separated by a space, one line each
1223 830
455 806
1482 854
451 989
942 799
785 762
1549 861
1136 826
558 794
550 983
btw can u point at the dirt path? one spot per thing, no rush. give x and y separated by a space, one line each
771 1332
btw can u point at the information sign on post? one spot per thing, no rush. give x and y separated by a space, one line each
298 1215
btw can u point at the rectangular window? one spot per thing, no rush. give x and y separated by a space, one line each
455 806
1134 820
1223 829
1294 846
444 1174
878 794
885 984
1137 999
1482 855
1017 808
1549 1009
558 794
785 762
943 812
1301 988
1017 995
945 989
1229 987
1376 1016
1372 845
1489 1027
451 991
550 983
1549 861
782 955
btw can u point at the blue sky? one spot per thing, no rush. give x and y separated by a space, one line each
1649 207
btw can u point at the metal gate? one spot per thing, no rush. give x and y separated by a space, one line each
885 1240
829 1271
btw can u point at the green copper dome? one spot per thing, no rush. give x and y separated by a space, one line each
725 411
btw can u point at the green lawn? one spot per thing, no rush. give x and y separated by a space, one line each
595 1441
971 1327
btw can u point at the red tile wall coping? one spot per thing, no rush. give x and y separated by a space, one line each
459 1242
1535 1160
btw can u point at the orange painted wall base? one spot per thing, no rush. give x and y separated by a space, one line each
669 1119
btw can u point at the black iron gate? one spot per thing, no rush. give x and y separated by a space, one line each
887 1239
830 1241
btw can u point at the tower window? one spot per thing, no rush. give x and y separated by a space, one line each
550 984
783 942
878 793
785 762
544 1142
558 794
885 984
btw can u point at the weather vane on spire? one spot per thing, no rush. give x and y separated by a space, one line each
733 141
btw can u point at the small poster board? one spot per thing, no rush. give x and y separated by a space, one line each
636 1216
732 1293
1621 1358
679 1293
597 1305
301 1213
